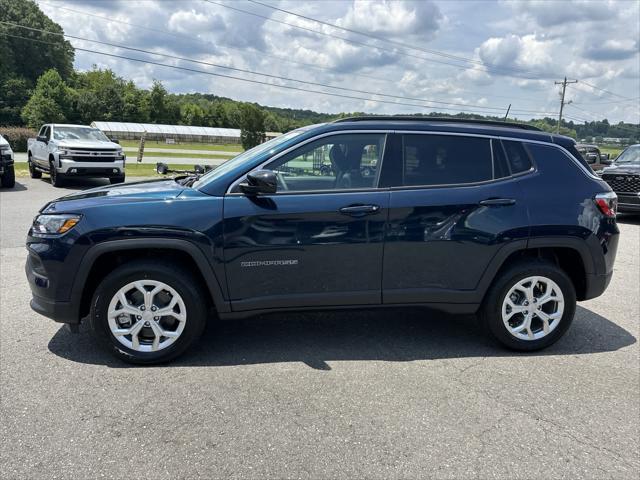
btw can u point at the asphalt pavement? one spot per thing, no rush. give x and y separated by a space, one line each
392 394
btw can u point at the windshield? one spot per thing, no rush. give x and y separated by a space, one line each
630 155
79 133
244 156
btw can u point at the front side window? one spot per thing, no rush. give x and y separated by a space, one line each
336 162
445 160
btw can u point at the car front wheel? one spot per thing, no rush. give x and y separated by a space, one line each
148 312
530 306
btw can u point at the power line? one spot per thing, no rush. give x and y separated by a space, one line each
259 82
176 57
178 35
603 90
283 59
393 42
355 42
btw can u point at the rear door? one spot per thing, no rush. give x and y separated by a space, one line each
318 241
455 202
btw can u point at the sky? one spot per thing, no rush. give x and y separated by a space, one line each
421 55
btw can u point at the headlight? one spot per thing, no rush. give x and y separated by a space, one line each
54 224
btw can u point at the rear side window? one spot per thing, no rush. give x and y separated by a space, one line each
445 160
518 156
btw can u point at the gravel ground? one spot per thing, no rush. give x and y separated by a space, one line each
393 394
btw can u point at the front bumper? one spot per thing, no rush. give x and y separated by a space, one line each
91 169
628 202
50 289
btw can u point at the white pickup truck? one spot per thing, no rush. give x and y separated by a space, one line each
7 172
65 151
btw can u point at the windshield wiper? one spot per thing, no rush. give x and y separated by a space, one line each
188 178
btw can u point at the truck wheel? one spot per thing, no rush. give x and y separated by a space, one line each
115 180
33 173
530 306
57 179
8 179
148 312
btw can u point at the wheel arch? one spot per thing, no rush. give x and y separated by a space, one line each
105 257
570 254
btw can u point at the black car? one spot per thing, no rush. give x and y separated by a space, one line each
624 178
467 216
593 156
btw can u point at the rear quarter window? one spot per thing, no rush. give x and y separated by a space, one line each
517 156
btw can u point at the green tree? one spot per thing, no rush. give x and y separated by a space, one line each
51 101
15 94
29 59
157 103
251 125
192 114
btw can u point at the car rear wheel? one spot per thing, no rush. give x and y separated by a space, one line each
148 312
33 173
530 306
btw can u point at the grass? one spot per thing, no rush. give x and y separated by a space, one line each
169 154
229 147
613 151
132 169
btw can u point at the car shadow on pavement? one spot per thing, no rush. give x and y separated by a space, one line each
392 335
18 187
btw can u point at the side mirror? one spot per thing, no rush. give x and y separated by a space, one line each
162 168
115 140
605 158
261 181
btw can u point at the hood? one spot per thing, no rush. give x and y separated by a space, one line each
622 169
144 191
87 144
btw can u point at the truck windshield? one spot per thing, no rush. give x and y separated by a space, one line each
244 156
630 155
79 133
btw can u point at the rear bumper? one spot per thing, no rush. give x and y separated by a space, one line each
596 285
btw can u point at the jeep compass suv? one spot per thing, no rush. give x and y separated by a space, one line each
459 216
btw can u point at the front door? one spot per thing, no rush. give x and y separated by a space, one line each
318 241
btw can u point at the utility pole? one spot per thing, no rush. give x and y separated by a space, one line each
562 102
507 114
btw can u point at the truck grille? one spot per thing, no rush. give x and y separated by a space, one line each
91 158
623 183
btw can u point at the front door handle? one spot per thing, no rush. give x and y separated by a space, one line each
360 210
497 202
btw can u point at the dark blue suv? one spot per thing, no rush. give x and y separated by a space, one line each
459 216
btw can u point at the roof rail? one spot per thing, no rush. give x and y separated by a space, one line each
406 118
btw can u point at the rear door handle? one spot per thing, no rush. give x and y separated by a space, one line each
497 202
360 210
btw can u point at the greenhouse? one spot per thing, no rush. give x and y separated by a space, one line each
168 133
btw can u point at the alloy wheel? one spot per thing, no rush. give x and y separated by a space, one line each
147 315
532 308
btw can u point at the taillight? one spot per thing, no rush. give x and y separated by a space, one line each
607 203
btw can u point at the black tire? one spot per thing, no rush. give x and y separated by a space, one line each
8 179
115 180
33 173
491 310
57 179
171 274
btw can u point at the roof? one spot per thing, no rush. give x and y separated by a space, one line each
166 129
453 120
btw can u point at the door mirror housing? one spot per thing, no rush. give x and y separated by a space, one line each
261 181
605 158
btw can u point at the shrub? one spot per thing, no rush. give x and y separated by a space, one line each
17 137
